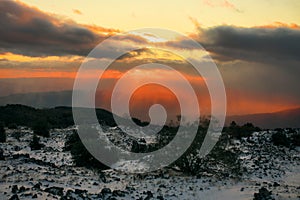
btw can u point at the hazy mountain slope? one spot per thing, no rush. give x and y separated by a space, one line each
40 99
287 118
283 119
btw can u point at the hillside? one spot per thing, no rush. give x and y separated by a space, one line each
282 119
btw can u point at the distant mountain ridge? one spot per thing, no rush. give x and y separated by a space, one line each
283 119
39 99
58 117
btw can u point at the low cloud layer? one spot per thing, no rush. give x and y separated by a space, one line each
275 44
28 31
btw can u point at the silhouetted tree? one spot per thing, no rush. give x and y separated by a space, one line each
233 124
192 163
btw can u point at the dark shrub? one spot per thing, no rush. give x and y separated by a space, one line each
16 135
81 156
2 133
2 157
41 128
280 138
12 126
263 193
248 128
139 147
191 163
296 139
139 122
35 143
239 132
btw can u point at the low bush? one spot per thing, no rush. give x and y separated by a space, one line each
296 139
35 143
219 161
2 133
81 156
239 132
41 128
280 138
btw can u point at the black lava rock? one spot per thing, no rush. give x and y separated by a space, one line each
55 190
263 194
78 191
106 191
14 197
14 189
2 157
118 193
276 184
37 186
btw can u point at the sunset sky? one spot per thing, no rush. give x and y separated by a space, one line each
255 44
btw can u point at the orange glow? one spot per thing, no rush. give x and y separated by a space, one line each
238 102
251 106
24 73
280 25
40 73
21 58
99 29
146 96
53 28
242 102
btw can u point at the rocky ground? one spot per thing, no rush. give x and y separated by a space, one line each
268 172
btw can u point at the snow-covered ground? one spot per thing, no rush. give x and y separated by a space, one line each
49 173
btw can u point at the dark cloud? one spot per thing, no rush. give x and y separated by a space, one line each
266 45
28 31
182 44
135 53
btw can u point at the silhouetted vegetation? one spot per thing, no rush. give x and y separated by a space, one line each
12 126
2 157
280 138
239 132
41 128
35 143
164 136
139 122
296 139
80 154
42 120
193 164
59 117
2 133
16 135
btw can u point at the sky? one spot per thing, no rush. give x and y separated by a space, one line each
255 45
